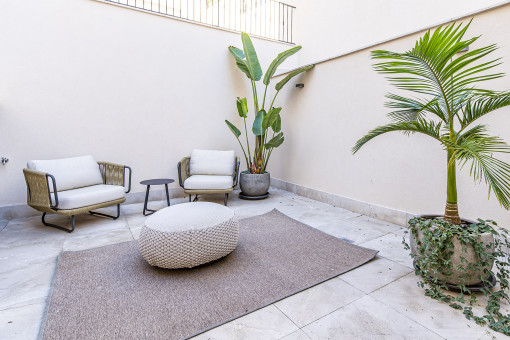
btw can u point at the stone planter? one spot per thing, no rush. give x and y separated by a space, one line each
254 185
470 256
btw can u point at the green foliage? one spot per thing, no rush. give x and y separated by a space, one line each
434 249
449 102
266 122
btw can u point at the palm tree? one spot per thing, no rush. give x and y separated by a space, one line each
449 105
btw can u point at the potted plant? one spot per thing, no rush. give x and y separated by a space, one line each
266 127
449 252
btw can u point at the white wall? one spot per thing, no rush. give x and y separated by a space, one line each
343 99
331 28
83 77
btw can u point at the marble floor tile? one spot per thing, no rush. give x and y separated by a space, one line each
30 230
21 323
97 240
407 298
390 246
3 223
311 216
22 285
87 224
297 335
313 303
267 323
375 274
23 256
136 232
367 319
251 210
359 229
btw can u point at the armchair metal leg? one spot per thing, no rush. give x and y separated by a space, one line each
190 197
226 199
196 198
57 226
105 215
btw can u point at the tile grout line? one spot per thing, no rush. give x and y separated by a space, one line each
419 323
288 317
347 304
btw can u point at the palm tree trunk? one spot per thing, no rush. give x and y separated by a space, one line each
451 213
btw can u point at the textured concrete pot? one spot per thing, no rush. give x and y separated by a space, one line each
254 184
470 256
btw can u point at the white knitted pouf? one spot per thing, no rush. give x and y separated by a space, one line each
188 235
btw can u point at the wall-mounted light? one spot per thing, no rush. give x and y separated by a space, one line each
465 49
300 86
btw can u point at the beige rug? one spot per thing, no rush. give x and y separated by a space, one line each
112 293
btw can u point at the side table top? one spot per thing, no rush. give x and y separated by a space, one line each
157 181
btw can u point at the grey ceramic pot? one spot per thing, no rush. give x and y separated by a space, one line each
254 184
486 238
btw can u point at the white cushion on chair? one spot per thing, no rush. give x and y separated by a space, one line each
70 173
205 182
212 162
82 197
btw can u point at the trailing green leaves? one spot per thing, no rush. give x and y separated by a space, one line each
435 243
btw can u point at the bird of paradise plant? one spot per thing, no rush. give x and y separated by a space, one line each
266 121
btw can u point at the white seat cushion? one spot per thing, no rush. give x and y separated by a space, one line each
204 182
82 197
212 162
70 173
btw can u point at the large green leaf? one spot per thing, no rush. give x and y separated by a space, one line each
251 57
241 63
275 142
291 75
242 107
280 58
271 117
257 124
233 128
277 124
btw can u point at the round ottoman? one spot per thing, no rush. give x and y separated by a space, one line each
188 235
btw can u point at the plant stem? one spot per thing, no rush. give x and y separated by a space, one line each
244 152
451 213
248 163
264 101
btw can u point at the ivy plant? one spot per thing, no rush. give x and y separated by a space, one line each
434 250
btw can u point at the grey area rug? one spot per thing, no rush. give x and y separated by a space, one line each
112 293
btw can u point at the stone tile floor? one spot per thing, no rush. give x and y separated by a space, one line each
379 300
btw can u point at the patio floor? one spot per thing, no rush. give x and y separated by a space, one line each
378 300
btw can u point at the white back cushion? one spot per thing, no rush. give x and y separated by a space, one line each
212 162
70 173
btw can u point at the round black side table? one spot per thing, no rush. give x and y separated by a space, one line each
156 181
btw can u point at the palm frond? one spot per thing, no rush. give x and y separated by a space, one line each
477 147
482 104
429 128
411 109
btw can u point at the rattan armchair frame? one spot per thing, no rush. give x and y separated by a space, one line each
184 173
39 195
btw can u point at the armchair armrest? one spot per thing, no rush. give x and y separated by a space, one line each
115 174
183 170
236 172
38 189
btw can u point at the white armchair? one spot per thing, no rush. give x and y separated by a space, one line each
209 172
